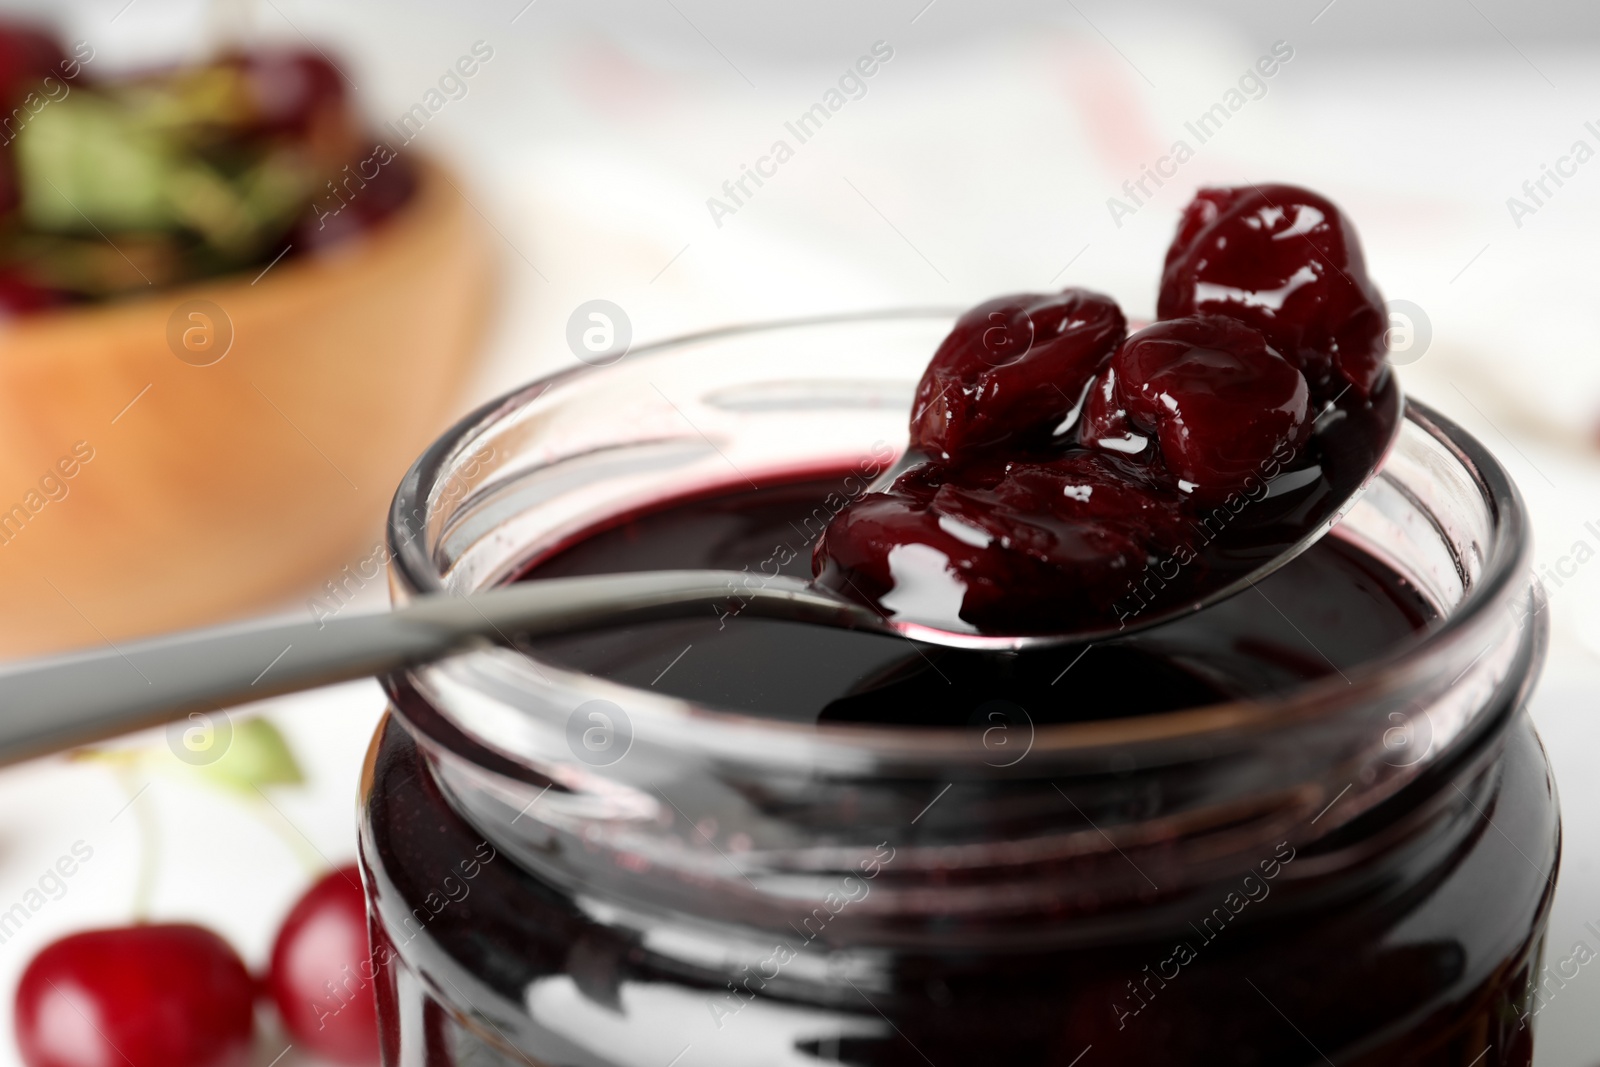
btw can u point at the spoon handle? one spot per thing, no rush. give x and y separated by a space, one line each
52 704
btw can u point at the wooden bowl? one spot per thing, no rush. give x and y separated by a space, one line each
142 492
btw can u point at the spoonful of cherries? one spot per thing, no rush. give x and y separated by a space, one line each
1068 480
1065 482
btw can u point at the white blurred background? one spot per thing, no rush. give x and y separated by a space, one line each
980 159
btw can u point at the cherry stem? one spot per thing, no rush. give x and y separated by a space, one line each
306 853
149 842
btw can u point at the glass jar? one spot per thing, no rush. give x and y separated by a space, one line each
564 869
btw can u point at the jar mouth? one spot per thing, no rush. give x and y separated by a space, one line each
1490 562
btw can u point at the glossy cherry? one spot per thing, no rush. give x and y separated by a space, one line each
1226 410
1286 261
1074 468
1010 545
1012 368
139 996
321 975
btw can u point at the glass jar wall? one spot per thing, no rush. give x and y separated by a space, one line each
1313 822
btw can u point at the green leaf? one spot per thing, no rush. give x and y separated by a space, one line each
147 160
257 756
85 163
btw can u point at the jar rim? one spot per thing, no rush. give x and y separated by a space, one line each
1446 644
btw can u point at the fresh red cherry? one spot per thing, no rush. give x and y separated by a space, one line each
1012 367
365 193
27 55
136 996
289 90
321 975
1011 546
1223 405
20 295
1287 262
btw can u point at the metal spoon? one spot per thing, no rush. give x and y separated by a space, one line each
53 704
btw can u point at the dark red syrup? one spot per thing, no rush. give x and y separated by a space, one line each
1427 967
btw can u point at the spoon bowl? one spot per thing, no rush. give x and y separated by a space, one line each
1234 545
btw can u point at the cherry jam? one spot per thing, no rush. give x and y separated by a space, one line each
1059 469
1422 951
1352 611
